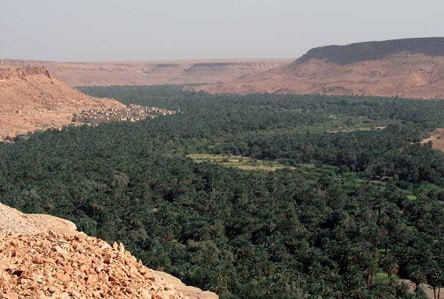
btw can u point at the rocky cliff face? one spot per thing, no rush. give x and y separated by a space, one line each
22 72
31 99
404 68
45 257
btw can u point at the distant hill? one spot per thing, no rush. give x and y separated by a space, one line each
357 52
405 68
149 72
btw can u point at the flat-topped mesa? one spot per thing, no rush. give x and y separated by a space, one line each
374 50
21 72
406 68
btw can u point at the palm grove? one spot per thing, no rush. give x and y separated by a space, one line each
359 205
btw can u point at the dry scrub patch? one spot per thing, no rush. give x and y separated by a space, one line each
437 139
244 163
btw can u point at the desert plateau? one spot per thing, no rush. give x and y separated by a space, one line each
313 177
410 68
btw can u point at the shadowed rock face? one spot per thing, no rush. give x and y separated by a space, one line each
409 68
347 54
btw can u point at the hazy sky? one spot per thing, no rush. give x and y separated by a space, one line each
92 30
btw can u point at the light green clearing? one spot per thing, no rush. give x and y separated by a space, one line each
382 277
411 197
244 163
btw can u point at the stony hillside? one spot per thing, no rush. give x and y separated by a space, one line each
45 257
405 68
150 72
31 99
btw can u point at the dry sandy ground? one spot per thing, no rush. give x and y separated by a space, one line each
427 288
30 100
150 72
400 75
437 139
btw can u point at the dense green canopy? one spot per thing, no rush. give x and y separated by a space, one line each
361 203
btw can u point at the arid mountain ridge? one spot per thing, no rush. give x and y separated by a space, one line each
410 68
149 72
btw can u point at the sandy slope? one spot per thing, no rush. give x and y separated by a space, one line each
437 139
30 99
403 75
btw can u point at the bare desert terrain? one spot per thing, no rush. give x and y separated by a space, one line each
37 95
31 99
149 72
401 75
409 68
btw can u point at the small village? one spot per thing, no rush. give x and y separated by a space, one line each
131 113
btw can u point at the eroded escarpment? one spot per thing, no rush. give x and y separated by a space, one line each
22 72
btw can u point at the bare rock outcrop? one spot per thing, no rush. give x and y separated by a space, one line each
14 222
45 257
22 72
72 266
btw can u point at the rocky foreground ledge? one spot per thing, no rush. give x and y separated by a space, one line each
45 257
